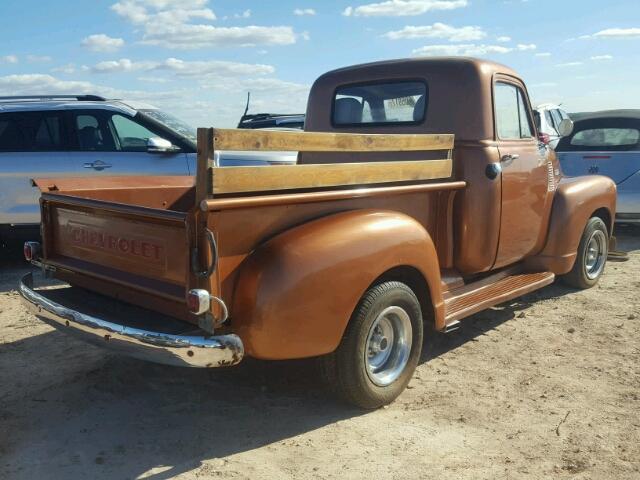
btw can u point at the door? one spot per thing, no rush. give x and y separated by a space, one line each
32 145
525 192
111 143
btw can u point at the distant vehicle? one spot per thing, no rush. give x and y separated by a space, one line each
87 135
548 117
284 121
607 143
272 120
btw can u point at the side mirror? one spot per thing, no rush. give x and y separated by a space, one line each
566 127
160 145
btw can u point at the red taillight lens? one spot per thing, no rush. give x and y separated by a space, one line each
31 250
544 138
198 301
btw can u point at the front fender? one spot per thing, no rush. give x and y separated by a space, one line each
575 201
295 293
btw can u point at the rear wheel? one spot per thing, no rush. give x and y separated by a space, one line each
592 255
380 348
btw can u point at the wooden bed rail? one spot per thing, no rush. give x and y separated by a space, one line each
211 179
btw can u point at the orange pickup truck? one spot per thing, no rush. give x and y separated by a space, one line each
386 225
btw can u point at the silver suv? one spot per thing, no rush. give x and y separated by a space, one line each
86 135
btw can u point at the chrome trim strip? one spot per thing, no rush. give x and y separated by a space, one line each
168 349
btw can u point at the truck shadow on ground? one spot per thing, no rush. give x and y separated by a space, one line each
134 417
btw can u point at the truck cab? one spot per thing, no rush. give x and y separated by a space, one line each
420 197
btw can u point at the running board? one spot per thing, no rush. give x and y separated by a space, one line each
471 299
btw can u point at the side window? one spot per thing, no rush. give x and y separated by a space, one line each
93 133
512 113
547 115
507 116
526 131
130 135
32 132
557 118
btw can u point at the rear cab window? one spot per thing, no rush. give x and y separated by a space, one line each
603 134
380 103
606 137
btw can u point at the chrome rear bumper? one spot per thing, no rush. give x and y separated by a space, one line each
169 349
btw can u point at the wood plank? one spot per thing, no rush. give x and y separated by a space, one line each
288 177
238 139
204 163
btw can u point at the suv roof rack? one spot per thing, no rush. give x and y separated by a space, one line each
35 98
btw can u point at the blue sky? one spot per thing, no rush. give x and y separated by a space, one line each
198 58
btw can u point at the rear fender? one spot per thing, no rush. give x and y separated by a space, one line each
575 201
296 293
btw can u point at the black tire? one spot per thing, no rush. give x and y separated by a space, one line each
346 368
580 275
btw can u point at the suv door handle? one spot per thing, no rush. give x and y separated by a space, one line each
97 165
508 159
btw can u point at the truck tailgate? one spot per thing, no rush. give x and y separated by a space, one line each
143 248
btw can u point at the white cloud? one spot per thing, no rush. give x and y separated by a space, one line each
69 68
35 83
462 49
438 30
102 43
300 12
245 14
601 57
543 85
164 23
526 46
9 59
503 39
615 33
183 68
402 8
38 58
543 54
141 12
187 36
569 64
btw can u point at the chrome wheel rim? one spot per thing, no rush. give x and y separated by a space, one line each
388 346
595 254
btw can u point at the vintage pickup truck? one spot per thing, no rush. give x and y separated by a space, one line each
382 228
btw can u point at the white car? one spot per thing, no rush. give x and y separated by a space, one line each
548 117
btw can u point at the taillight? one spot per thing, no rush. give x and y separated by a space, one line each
31 250
198 301
544 138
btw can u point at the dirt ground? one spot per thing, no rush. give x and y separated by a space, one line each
544 387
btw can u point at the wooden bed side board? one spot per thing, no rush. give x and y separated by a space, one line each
211 179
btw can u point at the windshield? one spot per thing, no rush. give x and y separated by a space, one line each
181 128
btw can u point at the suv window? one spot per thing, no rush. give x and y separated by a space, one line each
131 136
512 113
32 132
380 103
93 133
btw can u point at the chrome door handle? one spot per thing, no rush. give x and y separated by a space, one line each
508 159
97 165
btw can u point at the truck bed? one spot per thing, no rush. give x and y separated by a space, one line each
129 236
